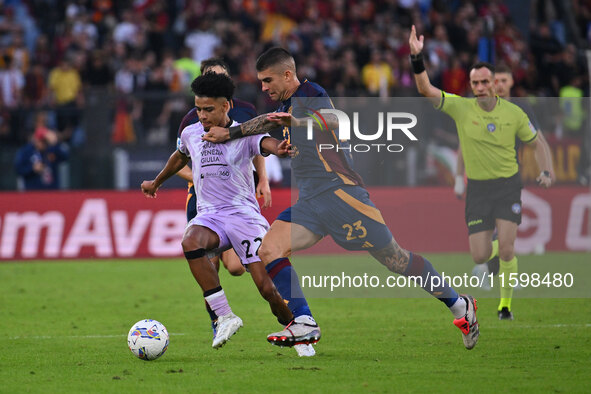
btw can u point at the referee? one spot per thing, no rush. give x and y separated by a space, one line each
487 127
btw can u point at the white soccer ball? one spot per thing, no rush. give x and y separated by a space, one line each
148 339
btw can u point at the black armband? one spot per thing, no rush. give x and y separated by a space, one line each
235 132
194 254
418 66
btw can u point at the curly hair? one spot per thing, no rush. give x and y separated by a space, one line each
213 85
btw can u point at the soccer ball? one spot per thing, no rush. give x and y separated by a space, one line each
148 339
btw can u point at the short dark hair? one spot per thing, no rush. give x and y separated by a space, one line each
483 65
213 85
272 57
503 68
209 63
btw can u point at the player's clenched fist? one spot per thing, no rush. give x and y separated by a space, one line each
149 189
217 134
545 179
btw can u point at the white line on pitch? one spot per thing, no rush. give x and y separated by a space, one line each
547 326
508 326
79 336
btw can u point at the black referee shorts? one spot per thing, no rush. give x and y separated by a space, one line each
492 199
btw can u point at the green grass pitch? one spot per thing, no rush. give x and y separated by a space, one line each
64 328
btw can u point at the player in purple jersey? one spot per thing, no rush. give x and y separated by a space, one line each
332 201
228 213
240 111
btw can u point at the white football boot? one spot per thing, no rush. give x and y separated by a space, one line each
227 326
468 323
304 350
303 330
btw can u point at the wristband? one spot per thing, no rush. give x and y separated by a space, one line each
418 66
235 132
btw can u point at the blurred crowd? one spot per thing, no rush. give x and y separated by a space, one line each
52 52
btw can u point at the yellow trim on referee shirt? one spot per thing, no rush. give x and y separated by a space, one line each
369 211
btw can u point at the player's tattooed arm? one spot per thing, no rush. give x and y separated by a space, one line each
263 124
331 120
258 125
285 119
393 257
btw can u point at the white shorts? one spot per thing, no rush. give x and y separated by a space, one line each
241 231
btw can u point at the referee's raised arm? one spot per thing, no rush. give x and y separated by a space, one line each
418 66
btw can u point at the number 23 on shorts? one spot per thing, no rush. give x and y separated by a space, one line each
355 230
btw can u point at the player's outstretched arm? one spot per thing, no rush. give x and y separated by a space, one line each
175 162
544 160
421 77
286 119
262 124
276 147
254 126
263 188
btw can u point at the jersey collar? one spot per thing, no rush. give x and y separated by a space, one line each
286 103
497 103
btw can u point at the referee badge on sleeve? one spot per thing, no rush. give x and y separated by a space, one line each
532 127
516 208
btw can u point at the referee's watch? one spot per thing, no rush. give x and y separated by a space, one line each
545 173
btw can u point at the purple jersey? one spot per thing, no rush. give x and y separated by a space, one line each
222 173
